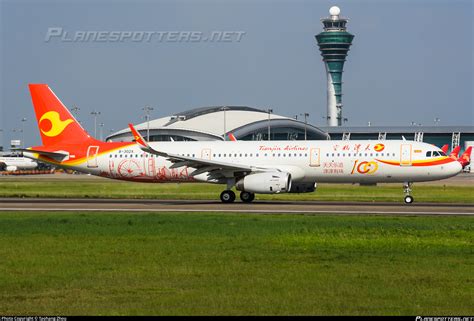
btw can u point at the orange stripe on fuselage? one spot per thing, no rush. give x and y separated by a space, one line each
431 162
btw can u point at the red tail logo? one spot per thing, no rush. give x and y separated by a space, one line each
51 124
55 122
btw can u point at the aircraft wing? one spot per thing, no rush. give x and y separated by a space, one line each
215 168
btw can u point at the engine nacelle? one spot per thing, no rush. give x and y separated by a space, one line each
303 187
11 168
265 183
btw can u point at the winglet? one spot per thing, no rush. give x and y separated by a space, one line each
138 138
144 146
455 152
465 158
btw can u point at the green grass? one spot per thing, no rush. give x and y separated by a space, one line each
161 264
98 188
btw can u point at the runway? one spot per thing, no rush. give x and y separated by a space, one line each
258 207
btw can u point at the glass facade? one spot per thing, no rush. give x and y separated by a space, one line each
168 138
283 133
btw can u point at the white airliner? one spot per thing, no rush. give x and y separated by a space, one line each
266 167
13 163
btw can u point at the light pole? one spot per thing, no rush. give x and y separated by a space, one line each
225 125
95 114
306 115
270 111
23 132
75 110
75 113
101 125
147 110
14 141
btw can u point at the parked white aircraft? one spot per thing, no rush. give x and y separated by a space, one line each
13 163
265 167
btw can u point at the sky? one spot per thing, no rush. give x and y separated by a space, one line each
411 61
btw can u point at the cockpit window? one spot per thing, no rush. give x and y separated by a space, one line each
434 153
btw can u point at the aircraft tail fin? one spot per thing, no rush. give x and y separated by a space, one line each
445 148
465 158
56 124
455 152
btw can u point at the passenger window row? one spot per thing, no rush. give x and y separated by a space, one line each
360 154
215 155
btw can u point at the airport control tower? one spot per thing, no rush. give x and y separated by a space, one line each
334 43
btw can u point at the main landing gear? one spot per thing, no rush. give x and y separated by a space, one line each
247 197
407 190
228 196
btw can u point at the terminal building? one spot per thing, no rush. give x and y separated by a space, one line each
247 123
217 122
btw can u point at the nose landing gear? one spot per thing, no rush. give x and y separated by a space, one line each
407 190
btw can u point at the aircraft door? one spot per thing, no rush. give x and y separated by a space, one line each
151 165
314 157
92 152
405 155
206 153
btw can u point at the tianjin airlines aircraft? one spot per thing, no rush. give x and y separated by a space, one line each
266 167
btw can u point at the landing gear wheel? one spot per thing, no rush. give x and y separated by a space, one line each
407 189
227 196
247 197
409 199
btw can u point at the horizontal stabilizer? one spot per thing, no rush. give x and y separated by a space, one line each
42 152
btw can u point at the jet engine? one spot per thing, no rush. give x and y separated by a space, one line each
11 168
265 183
